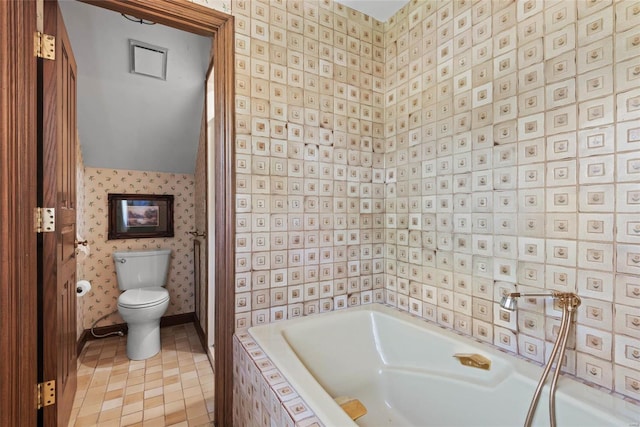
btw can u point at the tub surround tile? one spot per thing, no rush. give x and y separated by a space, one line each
322 150
553 213
264 397
436 160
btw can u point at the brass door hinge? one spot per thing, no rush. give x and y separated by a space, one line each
46 393
44 46
45 220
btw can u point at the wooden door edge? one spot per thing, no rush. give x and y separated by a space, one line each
224 299
18 189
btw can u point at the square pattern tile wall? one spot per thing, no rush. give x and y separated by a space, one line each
310 177
460 151
262 396
512 161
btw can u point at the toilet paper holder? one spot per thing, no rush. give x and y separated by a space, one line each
82 287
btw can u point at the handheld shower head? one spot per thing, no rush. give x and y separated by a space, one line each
510 302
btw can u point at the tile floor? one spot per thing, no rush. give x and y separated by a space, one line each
173 388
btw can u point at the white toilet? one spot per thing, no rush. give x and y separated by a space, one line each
142 275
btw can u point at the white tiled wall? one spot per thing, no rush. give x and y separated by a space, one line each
511 151
460 151
309 159
262 396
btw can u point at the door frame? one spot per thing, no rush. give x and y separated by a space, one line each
18 192
18 197
208 22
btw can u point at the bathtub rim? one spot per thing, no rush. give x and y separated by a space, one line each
271 340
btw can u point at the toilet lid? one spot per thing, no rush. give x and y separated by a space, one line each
143 297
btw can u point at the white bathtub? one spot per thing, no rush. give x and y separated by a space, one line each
403 370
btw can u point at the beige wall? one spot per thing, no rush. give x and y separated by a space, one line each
99 267
510 140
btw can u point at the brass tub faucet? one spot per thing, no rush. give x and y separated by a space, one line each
474 360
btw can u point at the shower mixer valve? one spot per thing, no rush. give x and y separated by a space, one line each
565 299
568 303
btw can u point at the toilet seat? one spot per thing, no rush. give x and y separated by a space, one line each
143 297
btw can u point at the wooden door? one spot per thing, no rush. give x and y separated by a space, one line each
18 184
18 197
58 162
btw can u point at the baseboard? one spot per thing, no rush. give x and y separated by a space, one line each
172 320
82 341
177 319
201 334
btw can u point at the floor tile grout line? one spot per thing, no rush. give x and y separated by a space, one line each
107 363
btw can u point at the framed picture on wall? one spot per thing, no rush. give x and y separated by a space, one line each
135 216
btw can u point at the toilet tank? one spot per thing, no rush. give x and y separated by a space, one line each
141 269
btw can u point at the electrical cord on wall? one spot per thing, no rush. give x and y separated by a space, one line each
108 334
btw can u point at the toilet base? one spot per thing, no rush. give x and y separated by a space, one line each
143 340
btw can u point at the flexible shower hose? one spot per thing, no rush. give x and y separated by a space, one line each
108 334
559 345
556 374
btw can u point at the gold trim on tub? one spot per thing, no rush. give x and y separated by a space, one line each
473 360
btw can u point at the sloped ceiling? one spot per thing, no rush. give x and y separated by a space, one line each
382 10
129 121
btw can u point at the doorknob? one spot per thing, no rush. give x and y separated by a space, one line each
198 234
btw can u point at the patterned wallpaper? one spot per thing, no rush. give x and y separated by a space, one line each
99 267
